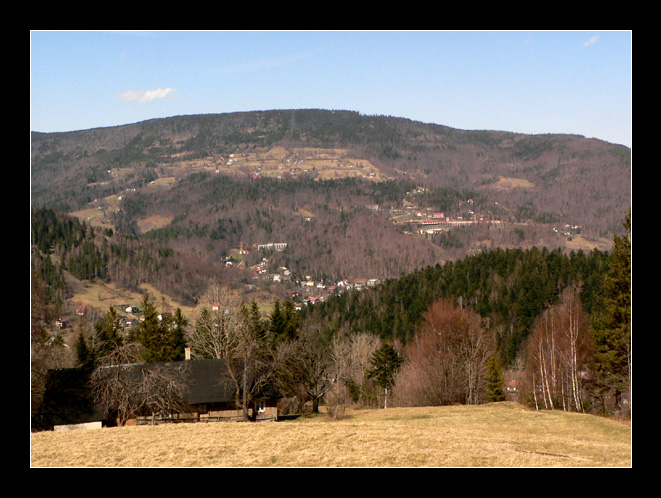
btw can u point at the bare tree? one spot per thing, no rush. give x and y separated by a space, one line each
126 386
558 352
340 355
214 334
446 363
250 363
225 332
304 368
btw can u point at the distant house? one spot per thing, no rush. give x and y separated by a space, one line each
209 395
511 386
277 246
512 390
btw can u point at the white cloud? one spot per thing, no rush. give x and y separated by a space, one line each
592 40
142 96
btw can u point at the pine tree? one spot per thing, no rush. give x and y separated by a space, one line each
163 337
612 327
84 355
277 324
107 335
385 362
495 390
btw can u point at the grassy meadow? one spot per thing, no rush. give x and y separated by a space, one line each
491 435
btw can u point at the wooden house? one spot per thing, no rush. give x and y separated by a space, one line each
208 395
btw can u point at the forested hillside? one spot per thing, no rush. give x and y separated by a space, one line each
569 178
370 227
507 288
336 186
513 298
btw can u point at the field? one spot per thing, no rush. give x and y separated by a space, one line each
492 435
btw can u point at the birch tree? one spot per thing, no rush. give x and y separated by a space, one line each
559 351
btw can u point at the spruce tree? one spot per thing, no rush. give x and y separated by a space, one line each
163 337
147 332
257 326
290 329
612 327
385 362
495 390
176 336
84 355
107 335
277 324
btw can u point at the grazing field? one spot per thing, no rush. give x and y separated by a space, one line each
492 435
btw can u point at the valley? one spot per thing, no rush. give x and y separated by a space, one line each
330 226
356 199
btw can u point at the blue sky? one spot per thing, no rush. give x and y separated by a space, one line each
522 81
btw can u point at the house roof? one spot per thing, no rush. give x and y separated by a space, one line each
68 399
208 381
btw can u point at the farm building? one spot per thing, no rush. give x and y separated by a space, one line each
208 394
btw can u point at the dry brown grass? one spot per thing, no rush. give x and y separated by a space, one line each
493 435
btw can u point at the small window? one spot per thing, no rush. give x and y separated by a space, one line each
260 405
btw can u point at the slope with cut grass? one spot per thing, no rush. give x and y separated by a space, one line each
491 435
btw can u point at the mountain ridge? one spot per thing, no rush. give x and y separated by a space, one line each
430 154
345 191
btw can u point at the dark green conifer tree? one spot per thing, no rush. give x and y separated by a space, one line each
612 327
162 336
176 336
107 335
291 320
84 355
147 332
385 362
494 386
257 325
277 323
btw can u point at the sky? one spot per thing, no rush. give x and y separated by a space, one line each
530 82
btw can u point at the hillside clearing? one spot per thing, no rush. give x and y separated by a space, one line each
492 435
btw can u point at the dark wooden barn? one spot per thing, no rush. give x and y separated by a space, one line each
208 393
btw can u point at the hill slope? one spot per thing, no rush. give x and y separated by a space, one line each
580 181
492 435
345 192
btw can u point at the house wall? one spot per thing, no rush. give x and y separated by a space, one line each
270 413
213 413
70 427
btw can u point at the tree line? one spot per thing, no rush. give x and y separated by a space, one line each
564 319
507 287
570 359
303 364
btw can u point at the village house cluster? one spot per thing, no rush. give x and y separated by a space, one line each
428 222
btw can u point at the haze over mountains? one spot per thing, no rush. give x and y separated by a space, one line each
351 195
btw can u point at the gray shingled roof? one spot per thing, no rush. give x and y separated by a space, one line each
68 394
